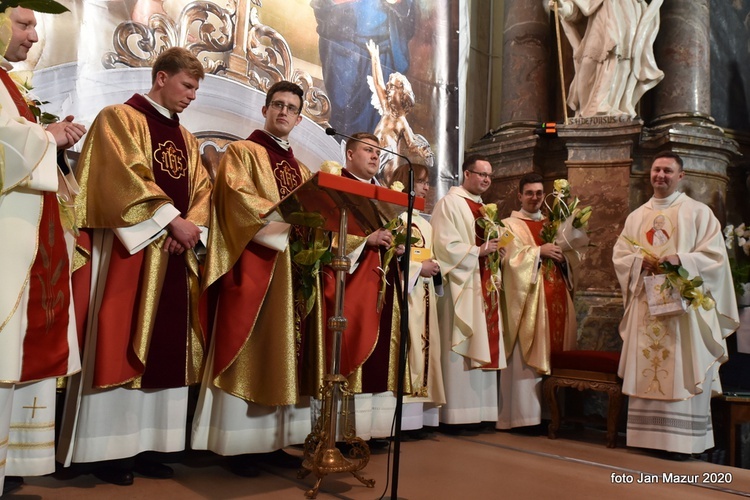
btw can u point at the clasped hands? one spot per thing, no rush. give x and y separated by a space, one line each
183 235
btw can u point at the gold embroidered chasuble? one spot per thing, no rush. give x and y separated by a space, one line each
118 189
263 368
525 306
668 357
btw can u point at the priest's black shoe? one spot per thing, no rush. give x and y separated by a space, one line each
243 466
114 475
152 469
12 483
280 458
676 456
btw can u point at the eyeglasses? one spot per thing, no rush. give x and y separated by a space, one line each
483 175
424 182
279 106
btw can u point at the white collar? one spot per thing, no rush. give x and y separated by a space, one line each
283 143
662 203
161 109
535 216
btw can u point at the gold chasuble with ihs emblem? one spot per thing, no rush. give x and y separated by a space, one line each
138 161
256 346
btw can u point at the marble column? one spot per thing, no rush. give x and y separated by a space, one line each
515 149
682 119
526 73
599 162
682 50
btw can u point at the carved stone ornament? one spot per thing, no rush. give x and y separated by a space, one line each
206 29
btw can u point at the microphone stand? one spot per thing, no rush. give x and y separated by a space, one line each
404 321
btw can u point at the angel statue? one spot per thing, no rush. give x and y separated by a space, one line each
394 100
614 56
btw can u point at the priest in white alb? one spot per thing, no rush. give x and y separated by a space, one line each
670 364
470 318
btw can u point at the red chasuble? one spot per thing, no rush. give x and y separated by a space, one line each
555 293
491 308
45 344
119 316
243 289
366 340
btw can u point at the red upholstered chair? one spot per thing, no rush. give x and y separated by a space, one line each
594 370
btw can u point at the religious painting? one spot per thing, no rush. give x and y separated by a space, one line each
377 66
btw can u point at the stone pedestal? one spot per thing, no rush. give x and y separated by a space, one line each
599 161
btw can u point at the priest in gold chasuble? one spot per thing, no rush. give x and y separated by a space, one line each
250 401
144 207
539 314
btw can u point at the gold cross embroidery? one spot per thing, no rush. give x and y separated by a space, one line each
34 408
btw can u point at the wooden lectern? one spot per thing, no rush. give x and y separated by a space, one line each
346 206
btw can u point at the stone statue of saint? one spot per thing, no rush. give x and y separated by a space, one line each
612 51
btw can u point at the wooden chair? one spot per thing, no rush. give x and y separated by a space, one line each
594 370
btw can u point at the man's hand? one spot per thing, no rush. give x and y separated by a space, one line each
551 251
429 268
183 234
650 265
488 247
400 250
66 133
380 238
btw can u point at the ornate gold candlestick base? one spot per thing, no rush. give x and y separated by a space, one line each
321 455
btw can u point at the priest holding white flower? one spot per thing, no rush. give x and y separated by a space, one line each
470 316
670 364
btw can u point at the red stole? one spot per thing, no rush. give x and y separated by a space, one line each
555 293
119 316
243 289
491 308
45 344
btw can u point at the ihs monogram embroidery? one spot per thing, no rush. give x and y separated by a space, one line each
287 177
171 160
